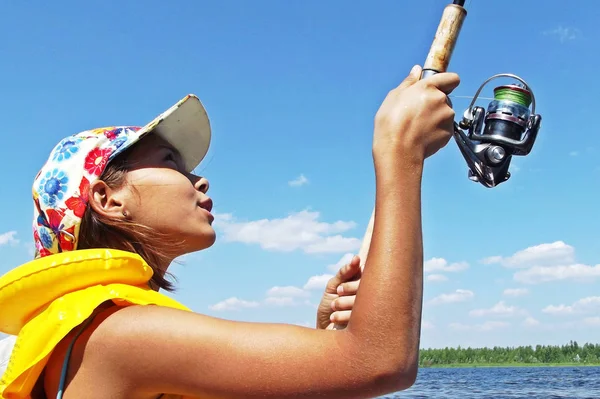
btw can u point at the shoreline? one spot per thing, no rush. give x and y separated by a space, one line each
506 365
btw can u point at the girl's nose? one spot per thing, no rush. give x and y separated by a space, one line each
202 185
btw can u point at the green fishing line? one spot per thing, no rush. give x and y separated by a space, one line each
510 94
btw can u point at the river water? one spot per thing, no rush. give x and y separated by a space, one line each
505 383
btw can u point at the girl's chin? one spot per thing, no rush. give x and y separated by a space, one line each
207 238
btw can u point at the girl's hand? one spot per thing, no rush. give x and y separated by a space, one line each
415 120
339 296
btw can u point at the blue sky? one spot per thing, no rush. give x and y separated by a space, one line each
291 89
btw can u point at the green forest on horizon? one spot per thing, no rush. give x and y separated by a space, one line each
571 353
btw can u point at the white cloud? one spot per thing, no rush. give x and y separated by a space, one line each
8 238
530 322
276 296
287 291
333 244
233 303
584 305
574 153
490 260
281 301
545 263
544 274
589 303
285 296
298 231
515 292
454 297
436 278
564 34
346 258
499 309
592 321
441 265
556 253
299 181
487 326
558 310
317 282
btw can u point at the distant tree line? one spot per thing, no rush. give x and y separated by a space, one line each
540 354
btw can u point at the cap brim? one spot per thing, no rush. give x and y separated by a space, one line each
186 127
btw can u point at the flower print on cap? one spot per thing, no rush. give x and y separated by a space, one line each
65 149
96 160
53 186
78 202
60 190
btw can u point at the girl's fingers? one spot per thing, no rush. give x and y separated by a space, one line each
349 270
341 317
343 303
349 288
344 274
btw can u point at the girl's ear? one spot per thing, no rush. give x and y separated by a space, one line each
107 201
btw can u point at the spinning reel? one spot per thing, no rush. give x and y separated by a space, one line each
507 128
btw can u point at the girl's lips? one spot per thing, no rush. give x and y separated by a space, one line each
206 204
210 216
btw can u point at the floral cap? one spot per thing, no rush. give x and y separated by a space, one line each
60 189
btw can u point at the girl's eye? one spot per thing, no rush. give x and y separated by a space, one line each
170 157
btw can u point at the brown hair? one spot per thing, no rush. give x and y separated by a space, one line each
99 231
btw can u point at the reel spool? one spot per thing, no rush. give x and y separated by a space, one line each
507 128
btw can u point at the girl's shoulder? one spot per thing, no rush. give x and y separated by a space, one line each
87 341
74 346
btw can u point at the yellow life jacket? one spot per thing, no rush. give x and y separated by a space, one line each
43 300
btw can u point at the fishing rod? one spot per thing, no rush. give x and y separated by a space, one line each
494 135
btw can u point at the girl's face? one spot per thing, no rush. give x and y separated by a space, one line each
160 194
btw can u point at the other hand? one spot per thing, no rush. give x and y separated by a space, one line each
339 296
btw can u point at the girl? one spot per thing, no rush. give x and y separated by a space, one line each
113 208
